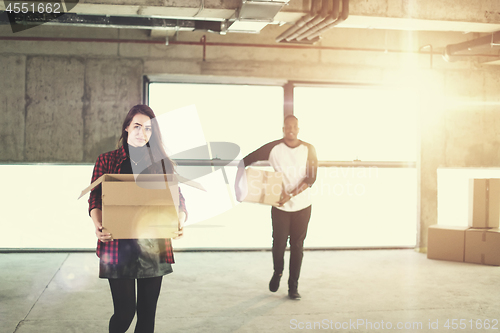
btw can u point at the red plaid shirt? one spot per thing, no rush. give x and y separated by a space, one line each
111 162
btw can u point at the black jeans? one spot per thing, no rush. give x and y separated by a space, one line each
125 305
293 225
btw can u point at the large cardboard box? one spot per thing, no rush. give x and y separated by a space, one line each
482 246
139 206
446 243
484 203
262 186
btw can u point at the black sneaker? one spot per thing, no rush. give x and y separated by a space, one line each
274 284
294 295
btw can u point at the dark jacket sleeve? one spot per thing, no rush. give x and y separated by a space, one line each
261 154
311 166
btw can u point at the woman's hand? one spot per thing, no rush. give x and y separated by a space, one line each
182 219
103 236
239 191
96 215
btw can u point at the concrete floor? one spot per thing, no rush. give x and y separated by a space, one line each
227 292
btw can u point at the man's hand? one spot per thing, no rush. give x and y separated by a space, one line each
285 197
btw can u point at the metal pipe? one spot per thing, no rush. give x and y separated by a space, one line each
222 163
315 8
318 18
203 42
343 16
332 17
432 51
451 49
235 163
299 24
161 42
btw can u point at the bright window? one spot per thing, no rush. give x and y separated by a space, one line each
348 123
249 116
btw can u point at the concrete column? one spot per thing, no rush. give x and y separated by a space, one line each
112 87
430 152
12 93
288 100
54 126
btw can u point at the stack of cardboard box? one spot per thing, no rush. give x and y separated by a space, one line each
480 241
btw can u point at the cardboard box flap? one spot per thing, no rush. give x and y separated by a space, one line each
150 181
91 186
133 194
107 177
190 183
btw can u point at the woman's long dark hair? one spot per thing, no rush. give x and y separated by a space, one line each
155 143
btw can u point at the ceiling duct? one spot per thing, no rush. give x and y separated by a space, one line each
324 15
486 44
250 17
134 22
253 15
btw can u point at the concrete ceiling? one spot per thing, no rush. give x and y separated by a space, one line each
429 15
166 17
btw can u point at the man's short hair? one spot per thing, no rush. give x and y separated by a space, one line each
290 116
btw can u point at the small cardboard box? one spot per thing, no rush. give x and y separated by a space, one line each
139 206
482 246
262 186
446 243
484 203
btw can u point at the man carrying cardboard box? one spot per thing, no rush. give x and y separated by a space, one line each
297 162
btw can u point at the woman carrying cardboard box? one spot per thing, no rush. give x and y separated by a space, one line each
125 262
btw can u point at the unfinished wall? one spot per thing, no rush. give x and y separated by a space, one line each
459 128
65 106
12 107
54 126
111 88
64 101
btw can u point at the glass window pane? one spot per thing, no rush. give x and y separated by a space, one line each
363 207
43 210
249 116
347 123
352 207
